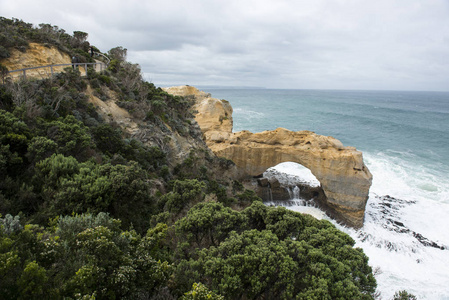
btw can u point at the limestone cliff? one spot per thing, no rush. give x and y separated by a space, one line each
341 171
177 147
213 115
36 55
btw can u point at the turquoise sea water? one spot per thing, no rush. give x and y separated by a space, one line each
404 137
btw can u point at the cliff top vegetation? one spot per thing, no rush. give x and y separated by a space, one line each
91 209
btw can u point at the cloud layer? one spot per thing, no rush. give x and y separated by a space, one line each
341 44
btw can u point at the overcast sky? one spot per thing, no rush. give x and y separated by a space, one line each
298 44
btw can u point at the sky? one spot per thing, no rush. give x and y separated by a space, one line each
286 44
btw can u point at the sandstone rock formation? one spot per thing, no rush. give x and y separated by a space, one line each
35 56
341 171
214 116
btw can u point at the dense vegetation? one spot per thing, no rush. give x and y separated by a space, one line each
89 211
15 33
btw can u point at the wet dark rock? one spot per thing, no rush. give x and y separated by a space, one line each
272 189
389 208
274 183
263 182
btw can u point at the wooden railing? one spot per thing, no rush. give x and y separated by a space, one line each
101 66
104 57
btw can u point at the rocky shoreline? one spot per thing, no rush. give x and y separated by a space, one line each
344 178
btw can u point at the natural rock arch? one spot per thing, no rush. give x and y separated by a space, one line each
287 181
341 171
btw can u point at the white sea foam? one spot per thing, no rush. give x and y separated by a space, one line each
402 258
310 210
289 173
415 125
397 226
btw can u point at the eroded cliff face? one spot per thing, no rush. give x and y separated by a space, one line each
213 115
36 55
343 176
341 171
177 147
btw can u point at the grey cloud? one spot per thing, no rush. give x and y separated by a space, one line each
347 44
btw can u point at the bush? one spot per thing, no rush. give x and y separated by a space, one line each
208 224
269 252
72 137
3 71
109 140
404 295
67 186
10 224
40 148
201 292
184 193
4 53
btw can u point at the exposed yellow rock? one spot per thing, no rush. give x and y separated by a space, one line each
341 171
35 56
111 112
214 116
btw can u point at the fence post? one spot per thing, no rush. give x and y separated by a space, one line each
51 68
24 74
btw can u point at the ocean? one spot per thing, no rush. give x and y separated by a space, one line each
404 137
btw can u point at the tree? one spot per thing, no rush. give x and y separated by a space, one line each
68 186
112 264
89 256
200 292
208 224
40 148
9 266
79 38
3 73
32 282
118 53
72 137
404 295
320 259
250 265
14 132
184 192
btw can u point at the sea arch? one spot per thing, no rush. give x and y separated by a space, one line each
341 171
344 177
287 181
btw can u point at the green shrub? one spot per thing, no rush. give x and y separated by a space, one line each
184 193
10 224
404 295
105 79
4 53
3 71
302 257
200 292
40 148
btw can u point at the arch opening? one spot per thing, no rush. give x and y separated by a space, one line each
344 177
292 185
